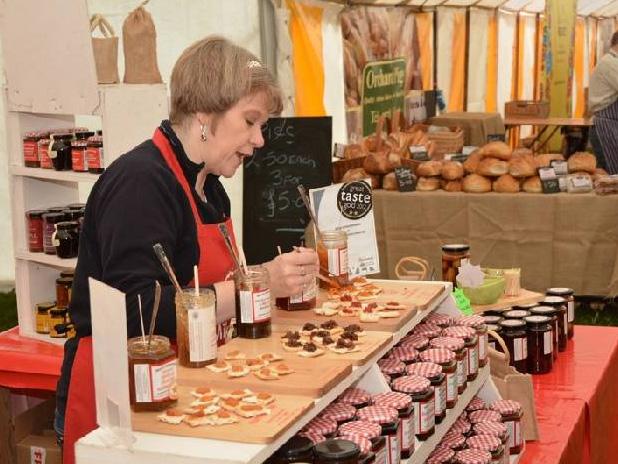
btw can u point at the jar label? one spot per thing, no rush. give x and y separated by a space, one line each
94 157
35 235
483 341
31 150
407 433
440 398
394 449
571 311
254 306
307 294
461 372
153 382
514 433
54 238
451 386
548 342
46 161
520 349
78 160
473 360
337 261
425 414
382 456
202 327
53 154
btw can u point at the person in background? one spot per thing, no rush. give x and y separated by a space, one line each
603 104
167 191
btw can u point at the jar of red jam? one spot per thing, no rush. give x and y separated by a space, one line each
94 154
540 345
418 342
35 230
516 340
569 295
560 305
405 354
441 455
368 430
404 406
253 305
49 227
454 440
476 404
487 443
497 429
423 397
332 248
471 342
472 456
152 374
356 397
432 372
78 151
392 367
30 149
484 415
477 323
324 426
511 414
388 419
428 330
491 343
461 426
457 345
60 151
446 359
516 314
336 451
442 320
303 301
551 313
339 412
525 306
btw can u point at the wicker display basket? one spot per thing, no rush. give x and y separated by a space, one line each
451 141
341 167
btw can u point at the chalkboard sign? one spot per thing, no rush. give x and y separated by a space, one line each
296 151
405 179
496 138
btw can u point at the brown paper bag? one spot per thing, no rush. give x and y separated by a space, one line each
105 50
515 386
139 42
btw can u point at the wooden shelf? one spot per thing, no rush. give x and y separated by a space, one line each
50 260
524 297
52 174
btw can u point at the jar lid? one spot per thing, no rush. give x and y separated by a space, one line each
484 442
313 436
470 321
360 428
454 440
378 414
67 225
492 319
516 314
497 429
544 310
58 311
525 306
83 134
506 407
354 396
456 247
334 235
76 206
45 306
537 320
339 412
337 448
391 366
437 355
441 455
554 300
392 399
428 330
53 218
560 291
461 425
484 415
295 447
459 331
35 213
67 273
403 353
138 346
451 343
476 404
364 444
411 384
473 456
416 341
513 324
64 280
495 328
439 319
61 135
424 369
321 425
496 311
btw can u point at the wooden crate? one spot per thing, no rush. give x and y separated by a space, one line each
526 109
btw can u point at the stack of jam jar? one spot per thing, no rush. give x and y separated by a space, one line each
534 334
55 231
74 148
52 317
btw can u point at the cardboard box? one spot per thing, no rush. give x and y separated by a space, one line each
38 449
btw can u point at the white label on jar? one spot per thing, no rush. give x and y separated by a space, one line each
566 323
38 455
425 415
202 327
407 433
483 347
307 294
440 399
461 372
337 261
520 349
547 342
451 386
473 360
571 311
514 433
394 449
163 379
254 306
141 381
382 456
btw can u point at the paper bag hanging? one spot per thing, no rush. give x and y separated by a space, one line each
139 42
105 50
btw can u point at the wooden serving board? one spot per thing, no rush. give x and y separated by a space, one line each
524 297
285 411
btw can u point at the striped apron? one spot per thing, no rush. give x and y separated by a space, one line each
606 126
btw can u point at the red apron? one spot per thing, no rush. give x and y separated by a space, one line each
214 265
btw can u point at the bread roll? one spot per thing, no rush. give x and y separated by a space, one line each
389 182
354 150
582 161
521 151
376 181
532 185
492 167
472 163
506 184
394 160
377 163
473 183
598 173
544 160
498 150
451 185
452 170
354 174
427 184
429 169
522 166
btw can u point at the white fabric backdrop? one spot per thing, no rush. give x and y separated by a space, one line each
445 51
477 63
506 43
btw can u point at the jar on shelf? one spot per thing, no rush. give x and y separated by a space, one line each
524 306
569 295
314 437
196 327
477 323
484 415
452 257
405 408
332 249
442 320
516 314
552 314
324 426
43 148
516 339
492 319
441 455
487 443
57 322
392 367
472 456
373 432
458 346
66 239
461 426
388 419
418 342
364 445
497 429
49 228
60 151
446 359
405 354
35 230
496 311
540 344
511 413
31 149
296 450
94 154
491 342
356 397
432 372
253 305
336 451
423 397
42 317
428 330
560 305
339 412
152 374
454 440
79 147
63 292
475 404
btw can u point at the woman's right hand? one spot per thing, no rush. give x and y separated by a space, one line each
292 272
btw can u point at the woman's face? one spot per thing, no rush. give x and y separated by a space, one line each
235 135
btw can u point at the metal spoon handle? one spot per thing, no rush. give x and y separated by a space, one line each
158 249
305 198
155 310
230 246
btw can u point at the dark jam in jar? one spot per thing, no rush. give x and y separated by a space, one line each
253 306
66 239
511 413
295 450
569 295
471 342
515 338
433 372
303 301
516 314
60 151
447 361
540 345
49 227
388 420
457 346
560 305
336 451
423 397
550 311
405 408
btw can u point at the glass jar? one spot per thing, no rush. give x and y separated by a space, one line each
540 344
332 248
446 359
560 305
78 151
497 429
488 443
405 354
441 455
392 367
356 397
362 429
196 327
305 300
441 320
477 323
452 256
57 322
321 425
94 154
551 313
474 456
405 408
49 228
511 413
428 330
296 450
339 412
65 239
31 150
491 342
253 306
524 306
42 317
418 342
60 151
152 374
63 292
388 419
44 159
423 397
492 319
516 314
336 451
569 295
35 230
432 372
461 426
516 340
458 346
471 342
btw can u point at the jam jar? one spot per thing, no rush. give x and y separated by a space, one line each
516 314
452 257
560 305
433 373
332 248
446 359
405 354
60 151
477 323
296 450
94 154
457 345
336 451
42 317
303 301
253 305
49 227
428 330
339 412
442 320
65 239
57 321
569 295
540 344
511 413
471 341
497 429
405 408
35 230
365 446
79 147
388 419
516 340
356 397
30 149
324 426
418 342
551 313
196 327
441 455
491 342
484 415
63 291
475 404
152 374
392 367
373 432
492 319
454 440
487 443
423 397
461 426
472 456
525 306
45 160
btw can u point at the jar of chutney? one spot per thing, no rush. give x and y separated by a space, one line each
560 305
516 340
253 305
569 295
540 344
552 314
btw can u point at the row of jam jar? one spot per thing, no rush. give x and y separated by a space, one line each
76 149
52 317
534 334
55 231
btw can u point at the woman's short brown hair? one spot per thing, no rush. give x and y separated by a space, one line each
213 74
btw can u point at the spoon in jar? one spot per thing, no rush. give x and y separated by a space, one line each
158 249
305 198
155 310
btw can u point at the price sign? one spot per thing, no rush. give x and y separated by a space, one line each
405 179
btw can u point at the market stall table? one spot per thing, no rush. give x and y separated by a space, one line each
544 123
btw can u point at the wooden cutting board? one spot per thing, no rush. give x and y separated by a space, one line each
286 410
524 297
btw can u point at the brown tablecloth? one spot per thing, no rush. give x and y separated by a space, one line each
558 240
476 126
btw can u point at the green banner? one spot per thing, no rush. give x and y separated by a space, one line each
383 91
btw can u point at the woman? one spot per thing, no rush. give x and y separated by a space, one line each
167 191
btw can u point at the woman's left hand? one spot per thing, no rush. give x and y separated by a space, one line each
292 272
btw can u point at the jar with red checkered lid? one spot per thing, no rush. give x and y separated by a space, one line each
427 330
392 367
336 451
433 373
454 440
423 397
405 408
356 397
365 446
405 354
458 346
477 323
484 415
339 412
388 419
296 450
313 436
471 342
446 359
370 431
324 426
489 443
441 455
442 320
497 429
475 404
472 456
461 425
511 414
418 342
